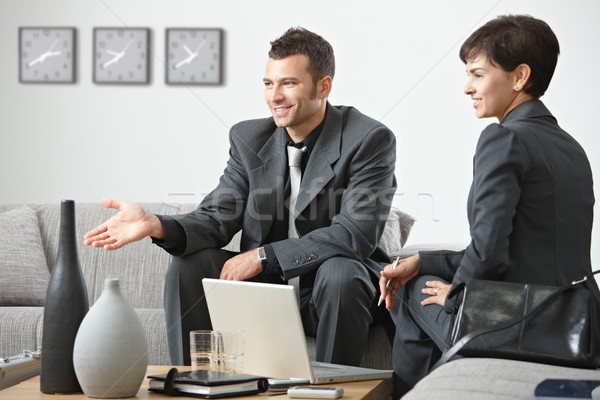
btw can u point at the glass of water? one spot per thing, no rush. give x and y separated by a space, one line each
228 351
201 349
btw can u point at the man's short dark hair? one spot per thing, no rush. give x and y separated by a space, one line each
511 40
298 40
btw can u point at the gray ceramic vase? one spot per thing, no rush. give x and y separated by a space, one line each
111 349
65 308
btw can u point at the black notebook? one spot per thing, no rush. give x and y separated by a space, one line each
207 384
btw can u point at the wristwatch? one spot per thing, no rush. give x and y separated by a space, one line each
262 256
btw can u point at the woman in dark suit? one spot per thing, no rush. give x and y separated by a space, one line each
530 207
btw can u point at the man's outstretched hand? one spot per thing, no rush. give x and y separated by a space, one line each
130 224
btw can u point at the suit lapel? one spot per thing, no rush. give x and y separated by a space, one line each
326 152
268 178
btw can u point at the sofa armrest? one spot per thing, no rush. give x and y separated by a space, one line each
415 248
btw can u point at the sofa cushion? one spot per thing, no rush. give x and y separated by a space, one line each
25 274
490 379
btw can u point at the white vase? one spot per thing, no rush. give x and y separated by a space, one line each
111 350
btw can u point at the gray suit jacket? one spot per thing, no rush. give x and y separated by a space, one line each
344 199
530 207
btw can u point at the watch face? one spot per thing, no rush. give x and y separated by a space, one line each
121 55
47 55
194 56
262 254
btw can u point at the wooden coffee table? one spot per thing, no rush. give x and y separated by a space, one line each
30 389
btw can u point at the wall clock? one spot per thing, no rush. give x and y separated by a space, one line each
121 55
47 55
194 56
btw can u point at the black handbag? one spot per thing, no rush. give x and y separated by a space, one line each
528 322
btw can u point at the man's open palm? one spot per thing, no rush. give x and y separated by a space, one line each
130 224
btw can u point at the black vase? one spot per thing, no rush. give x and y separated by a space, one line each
66 305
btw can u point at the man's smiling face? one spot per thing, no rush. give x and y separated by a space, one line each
296 102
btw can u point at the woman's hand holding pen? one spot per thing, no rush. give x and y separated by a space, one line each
387 285
405 270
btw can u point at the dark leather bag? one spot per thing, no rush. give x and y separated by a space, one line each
527 322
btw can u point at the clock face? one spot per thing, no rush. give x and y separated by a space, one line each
194 56
121 55
47 55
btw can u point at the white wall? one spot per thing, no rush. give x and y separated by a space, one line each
397 61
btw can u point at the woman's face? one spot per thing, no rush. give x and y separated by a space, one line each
491 88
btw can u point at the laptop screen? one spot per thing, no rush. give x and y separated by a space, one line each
269 315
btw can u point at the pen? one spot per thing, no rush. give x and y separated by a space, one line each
387 285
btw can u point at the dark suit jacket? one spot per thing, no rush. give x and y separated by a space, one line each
530 207
344 199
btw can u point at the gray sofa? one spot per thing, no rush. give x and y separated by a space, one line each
29 235
28 246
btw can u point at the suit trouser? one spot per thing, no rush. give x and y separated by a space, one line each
338 314
421 334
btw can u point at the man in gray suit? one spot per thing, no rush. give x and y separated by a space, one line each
331 240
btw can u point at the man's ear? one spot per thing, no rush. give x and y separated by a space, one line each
522 74
324 87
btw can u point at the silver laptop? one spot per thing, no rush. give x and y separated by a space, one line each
275 342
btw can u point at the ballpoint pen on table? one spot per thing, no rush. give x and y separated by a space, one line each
387 285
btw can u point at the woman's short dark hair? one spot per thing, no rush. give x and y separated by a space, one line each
511 40
298 40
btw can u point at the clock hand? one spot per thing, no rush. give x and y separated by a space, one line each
37 60
43 57
117 56
186 60
126 46
51 47
187 49
113 60
191 56
200 46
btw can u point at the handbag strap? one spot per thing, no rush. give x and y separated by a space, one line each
452 351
